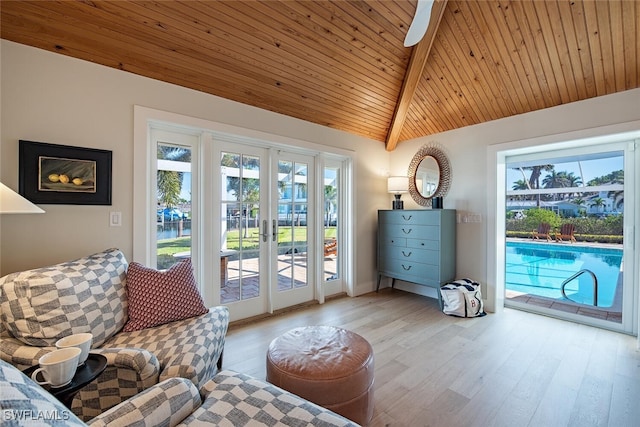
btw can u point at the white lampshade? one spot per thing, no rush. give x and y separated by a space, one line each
398 184
13 203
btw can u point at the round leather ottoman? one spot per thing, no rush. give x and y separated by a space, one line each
329 366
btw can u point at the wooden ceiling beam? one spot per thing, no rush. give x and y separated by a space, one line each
419 57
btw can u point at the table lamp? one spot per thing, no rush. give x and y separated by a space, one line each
13 203
398 185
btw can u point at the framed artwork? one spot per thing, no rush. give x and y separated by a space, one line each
64 175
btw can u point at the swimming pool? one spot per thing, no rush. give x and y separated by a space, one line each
540 268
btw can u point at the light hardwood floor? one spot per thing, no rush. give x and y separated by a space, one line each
507 369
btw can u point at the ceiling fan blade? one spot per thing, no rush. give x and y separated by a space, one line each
420 22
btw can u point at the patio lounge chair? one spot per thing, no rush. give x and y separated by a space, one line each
542 232
330 247
566 233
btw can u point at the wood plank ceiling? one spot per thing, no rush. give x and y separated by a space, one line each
342 63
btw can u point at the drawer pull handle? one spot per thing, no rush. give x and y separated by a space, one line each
407 255
406 268
406 232
407 218
421 244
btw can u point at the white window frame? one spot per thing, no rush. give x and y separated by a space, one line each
337 286
496 201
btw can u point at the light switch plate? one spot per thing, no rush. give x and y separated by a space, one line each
115 219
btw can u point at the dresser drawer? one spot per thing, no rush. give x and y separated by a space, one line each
427 232
413 255
410 217
433 245
386 240
411 271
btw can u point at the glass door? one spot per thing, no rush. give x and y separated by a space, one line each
171 233
333 243
244 229
253 218
292 242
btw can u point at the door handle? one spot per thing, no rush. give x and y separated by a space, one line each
264 234
275 230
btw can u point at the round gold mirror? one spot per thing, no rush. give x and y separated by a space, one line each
429 175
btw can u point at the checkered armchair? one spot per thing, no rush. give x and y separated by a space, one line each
229 399
26 403
234 399
37 307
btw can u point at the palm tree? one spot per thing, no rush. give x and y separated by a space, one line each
555 180
520 184
534 178
617 177
598 202
170 182
169 188
580 202
330 199
562 179
245 190
573 181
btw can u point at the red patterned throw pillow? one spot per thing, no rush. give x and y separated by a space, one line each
158 297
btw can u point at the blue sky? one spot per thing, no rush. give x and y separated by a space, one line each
590 168
186 186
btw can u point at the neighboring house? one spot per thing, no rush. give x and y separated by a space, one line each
602 203
565 209
562 208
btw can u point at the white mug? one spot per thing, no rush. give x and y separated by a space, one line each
58 367
82 341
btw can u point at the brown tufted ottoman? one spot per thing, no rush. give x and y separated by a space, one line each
329 366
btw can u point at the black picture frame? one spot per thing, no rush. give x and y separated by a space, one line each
64 175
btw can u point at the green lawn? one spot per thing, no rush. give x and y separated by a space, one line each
182 244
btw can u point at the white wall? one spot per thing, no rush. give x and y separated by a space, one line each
48 97
467 149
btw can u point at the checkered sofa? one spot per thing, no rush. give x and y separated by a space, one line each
229 399
37 307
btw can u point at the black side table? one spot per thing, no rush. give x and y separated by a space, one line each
89 371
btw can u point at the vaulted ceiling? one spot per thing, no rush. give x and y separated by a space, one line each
342 64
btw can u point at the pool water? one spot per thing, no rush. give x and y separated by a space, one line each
540 268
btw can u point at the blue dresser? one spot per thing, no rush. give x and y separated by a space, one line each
417 246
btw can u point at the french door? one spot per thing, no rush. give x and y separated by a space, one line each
243 241
292 243
266 222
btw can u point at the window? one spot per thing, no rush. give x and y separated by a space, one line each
561 204
173 214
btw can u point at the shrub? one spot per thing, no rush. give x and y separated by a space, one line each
537 216
591 229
